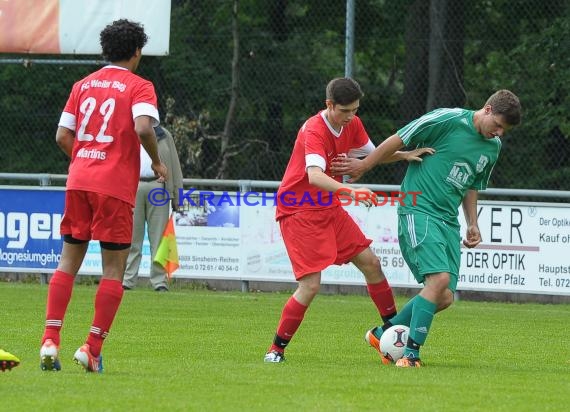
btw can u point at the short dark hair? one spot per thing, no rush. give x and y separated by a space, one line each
343 90
505 103
121 39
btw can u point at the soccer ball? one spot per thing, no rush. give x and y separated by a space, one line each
393 341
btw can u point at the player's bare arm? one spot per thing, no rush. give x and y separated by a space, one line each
320 179
411 155
472 235
64 138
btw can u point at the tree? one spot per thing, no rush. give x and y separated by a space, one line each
533 62
230 117
416 81
446 54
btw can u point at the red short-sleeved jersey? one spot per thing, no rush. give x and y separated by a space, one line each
317 144
106 152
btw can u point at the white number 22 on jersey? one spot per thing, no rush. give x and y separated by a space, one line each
106 110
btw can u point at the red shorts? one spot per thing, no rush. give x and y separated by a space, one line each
90 215
317 239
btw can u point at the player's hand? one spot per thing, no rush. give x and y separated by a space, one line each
161 171
363 196
416 154
348 166
472 237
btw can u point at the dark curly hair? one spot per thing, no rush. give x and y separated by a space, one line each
121 39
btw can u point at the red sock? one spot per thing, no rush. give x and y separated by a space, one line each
59 295
381 295
107 301
291 318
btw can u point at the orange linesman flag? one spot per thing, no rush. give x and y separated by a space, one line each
167 253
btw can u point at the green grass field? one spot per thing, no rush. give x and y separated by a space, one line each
199 350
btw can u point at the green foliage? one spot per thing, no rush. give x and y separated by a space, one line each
288 51
536 155
31 102
202 351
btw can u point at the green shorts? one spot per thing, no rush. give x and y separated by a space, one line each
429 246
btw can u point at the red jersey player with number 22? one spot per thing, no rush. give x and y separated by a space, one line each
108 115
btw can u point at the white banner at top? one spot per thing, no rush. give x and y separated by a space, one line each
73 26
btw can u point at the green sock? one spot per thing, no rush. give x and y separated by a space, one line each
422 316
403 317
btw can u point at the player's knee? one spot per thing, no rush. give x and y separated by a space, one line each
439 283
309 289
446 300
376 266
372 266
313 288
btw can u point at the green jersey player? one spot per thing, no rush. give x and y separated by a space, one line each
466 145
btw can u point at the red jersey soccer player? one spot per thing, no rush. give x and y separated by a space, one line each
316 230
107 116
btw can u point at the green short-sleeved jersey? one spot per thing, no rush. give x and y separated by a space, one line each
463 160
